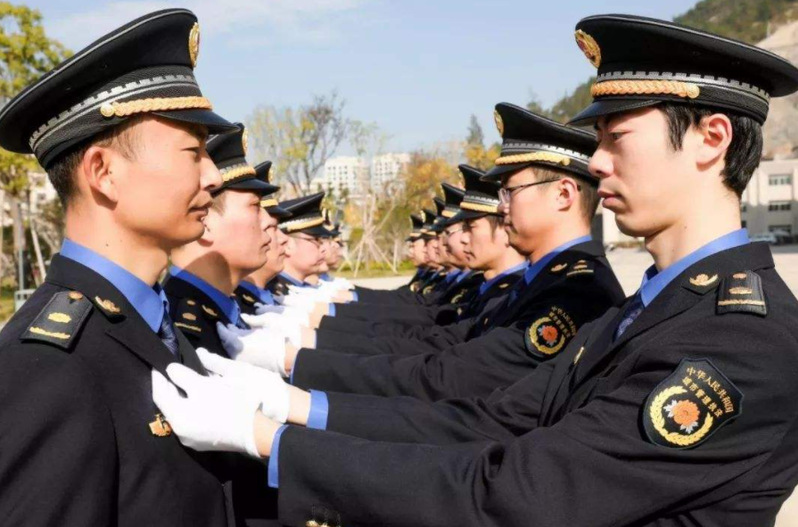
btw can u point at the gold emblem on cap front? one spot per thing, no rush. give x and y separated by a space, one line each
499 123
589 47
245 141
193 44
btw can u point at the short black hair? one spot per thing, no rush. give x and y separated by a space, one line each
588 189
745 151
61 171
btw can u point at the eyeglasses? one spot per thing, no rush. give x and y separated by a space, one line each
505 193
451 232
315 241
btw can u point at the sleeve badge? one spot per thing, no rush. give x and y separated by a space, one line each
548 335
690 405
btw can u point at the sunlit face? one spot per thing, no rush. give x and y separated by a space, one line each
334 255
432 251
275 257
483 245
239 230
306 253
531 211
418 252
642 179
163 192
453 239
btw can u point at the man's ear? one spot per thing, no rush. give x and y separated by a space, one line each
97 170
567 193
715 136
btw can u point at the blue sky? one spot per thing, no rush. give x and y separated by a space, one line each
417 68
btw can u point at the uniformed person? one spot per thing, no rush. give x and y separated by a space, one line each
205 273
121 134
251 294
564 243
304 250
678 408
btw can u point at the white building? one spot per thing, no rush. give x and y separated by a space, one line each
385 169
769 203
345 175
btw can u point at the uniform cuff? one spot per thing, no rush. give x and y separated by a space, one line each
319 410
274 457
331 311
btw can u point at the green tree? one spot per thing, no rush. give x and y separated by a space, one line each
26 53
299 141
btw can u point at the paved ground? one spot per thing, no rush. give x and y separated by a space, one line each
629 265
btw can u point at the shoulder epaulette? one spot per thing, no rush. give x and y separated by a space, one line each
742 293
581 268
60 320
246 298
188 316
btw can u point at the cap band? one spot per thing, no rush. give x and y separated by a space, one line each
269 202
156 104
548 157
301 223
687 90
236 171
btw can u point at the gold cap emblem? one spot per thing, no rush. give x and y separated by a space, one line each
245 141
193 44
703 280
589 47
160 427
499 123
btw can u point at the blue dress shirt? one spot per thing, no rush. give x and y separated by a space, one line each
487 283
226 304
149 301
264 296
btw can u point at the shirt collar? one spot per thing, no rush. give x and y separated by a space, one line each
655 281
487 283
263 295
452 275
463 275
326 277
225 303
534 269
294 281
149 301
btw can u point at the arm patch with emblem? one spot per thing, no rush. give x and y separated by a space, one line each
548 335
60 320
690 405
742 293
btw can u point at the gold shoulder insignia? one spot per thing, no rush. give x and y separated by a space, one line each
690 405
248 299
459 296
559 268
414 287
190 327
427 289
581 268
210 311
505 285
60 321
704 280
742 293
548 335
107 306
189 316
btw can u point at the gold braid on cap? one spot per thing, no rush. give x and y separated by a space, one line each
155 104
237 172
549 157
298 225
688 90
478 207
266 203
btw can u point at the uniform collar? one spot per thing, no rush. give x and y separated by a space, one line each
263 295
149 301
226 304
453 274
326 277
463 275
534 269
655 281
488 283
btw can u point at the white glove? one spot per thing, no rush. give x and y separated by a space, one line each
255 346
290 315
267 386
260 309
214 415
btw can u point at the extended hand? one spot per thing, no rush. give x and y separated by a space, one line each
260 347
214 415
265 385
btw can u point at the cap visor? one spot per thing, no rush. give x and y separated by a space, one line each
465 215
215 123
496 173
251 184
278 212
606 107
